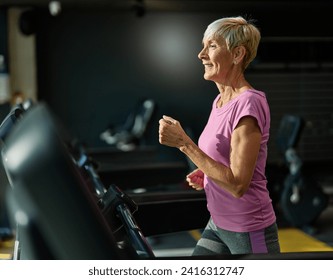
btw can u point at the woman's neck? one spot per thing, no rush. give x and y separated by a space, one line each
228 93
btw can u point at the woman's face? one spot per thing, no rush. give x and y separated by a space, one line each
217 60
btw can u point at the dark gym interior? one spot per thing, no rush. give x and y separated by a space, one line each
100 64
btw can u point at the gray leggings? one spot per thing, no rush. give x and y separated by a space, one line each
215 240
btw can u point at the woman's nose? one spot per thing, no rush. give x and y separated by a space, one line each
201 54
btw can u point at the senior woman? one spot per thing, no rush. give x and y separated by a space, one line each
231 153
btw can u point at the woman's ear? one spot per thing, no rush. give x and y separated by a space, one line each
239 53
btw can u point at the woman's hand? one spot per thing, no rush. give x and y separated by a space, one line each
171 133
195 179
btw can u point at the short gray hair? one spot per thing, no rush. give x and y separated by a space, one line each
236 31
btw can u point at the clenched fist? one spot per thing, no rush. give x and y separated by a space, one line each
171 133
195 179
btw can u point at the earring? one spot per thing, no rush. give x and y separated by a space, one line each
235 62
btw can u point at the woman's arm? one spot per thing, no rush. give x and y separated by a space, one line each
245 145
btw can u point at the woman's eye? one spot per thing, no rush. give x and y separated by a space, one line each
212 46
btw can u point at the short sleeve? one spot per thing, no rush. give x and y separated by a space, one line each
254 105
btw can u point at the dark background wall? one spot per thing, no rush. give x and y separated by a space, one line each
100 64
95 63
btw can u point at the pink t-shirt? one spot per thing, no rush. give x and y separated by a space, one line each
254 210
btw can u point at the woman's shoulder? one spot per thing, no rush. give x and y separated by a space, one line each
254 93
252 100
253 96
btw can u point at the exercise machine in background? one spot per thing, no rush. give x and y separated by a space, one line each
129 135
302 200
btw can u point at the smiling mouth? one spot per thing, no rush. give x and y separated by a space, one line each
208 65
